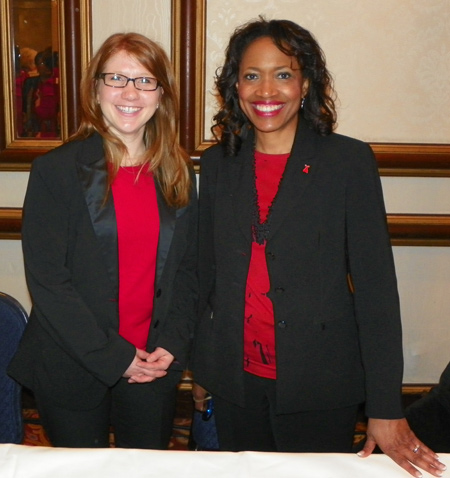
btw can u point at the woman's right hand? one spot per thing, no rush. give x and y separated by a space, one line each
200 397
136 374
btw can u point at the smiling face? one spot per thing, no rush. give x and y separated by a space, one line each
270 88
127 110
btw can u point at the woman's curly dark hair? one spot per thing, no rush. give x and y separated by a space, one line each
230 123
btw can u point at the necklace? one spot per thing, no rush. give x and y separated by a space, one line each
261 229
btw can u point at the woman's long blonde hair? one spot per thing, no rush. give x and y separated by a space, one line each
164 156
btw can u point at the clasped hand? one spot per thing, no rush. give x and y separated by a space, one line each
147 367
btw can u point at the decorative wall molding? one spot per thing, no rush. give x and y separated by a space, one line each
396 159
10 222
419 229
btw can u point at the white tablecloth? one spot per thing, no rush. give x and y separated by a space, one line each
18 461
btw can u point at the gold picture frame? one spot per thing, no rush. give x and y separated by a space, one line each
74 32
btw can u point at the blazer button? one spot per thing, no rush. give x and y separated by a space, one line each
282 324
156 324
279 290
271 255
158 293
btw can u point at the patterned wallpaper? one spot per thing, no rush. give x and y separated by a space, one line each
390 60
149 17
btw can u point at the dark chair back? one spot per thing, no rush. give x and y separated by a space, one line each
13 319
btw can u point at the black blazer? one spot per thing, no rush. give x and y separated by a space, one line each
429 417
71 348
334 348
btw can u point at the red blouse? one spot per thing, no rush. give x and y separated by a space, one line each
259 331
138 232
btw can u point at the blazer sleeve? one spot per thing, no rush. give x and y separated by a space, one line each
376 298
48 230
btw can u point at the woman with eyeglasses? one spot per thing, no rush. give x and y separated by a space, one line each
109 242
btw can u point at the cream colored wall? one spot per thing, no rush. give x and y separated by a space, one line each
151 18
391 61
12 276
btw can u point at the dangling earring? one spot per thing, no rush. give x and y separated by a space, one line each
303 103
157 106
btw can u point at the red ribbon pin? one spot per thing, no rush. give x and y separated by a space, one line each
306 168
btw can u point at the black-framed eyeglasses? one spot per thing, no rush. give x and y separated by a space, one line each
145 83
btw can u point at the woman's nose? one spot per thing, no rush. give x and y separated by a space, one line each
129 91
267 87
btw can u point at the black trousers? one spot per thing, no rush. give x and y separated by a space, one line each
256 427
141 416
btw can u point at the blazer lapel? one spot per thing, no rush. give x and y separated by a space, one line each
300 170
93 176
241 187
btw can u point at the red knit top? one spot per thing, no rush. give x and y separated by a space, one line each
259 331
138 232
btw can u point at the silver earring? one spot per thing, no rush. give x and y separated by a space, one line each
303 103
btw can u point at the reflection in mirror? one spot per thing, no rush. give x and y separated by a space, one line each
36 40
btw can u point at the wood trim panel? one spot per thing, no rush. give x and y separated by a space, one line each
10 223
396 159
419 229
417 389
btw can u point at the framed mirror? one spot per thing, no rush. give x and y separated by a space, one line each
45 44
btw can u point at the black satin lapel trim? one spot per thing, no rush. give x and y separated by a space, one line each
94 179
167 220
300 171
241 188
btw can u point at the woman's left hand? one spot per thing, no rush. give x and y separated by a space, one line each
154 366
160 359
396 439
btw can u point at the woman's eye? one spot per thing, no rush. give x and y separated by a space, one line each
251 76
116 77
284 75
